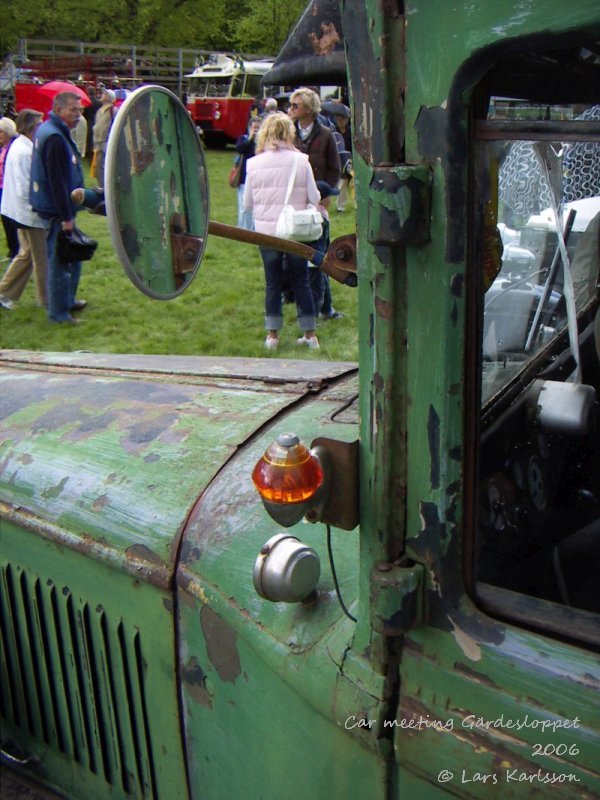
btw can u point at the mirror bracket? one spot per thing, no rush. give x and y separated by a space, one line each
342 252
187 249
340 261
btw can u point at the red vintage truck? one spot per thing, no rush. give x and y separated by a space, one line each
222 93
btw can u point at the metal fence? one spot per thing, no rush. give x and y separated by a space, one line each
100 63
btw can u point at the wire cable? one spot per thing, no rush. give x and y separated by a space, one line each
334 576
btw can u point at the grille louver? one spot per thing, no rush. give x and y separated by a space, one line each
73 680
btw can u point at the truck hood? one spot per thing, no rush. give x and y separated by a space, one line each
108 454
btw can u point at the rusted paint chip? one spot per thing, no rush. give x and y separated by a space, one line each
221 645
194 679
400 205
326 40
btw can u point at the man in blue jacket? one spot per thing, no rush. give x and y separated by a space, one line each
55 172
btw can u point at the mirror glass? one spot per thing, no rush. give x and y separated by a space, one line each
157 198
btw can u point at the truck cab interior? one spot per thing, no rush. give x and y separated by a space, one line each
535 555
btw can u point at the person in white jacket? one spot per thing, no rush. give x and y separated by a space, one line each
32 255
267 175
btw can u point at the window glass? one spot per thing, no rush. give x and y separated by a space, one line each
253 87
538 200
210 87
237 86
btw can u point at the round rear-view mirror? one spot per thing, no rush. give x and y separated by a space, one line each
157 198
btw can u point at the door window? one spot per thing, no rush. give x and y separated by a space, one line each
536 554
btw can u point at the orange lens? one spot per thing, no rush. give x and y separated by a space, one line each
287 472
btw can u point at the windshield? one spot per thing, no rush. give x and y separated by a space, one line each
544 195
210 87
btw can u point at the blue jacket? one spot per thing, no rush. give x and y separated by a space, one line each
55 170
246 147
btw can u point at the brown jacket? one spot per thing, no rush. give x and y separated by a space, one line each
322 153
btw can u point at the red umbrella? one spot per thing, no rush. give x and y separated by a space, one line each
56 87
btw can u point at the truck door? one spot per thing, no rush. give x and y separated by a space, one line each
498 689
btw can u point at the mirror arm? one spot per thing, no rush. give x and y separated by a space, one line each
339 262
261 239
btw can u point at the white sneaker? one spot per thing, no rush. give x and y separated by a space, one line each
271 343
312 343
6 303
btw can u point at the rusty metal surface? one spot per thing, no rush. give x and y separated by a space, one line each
111 464
376 66
341 510
314 52
481 710
271 371
228 526
538 130
340 261
542 614
246 661
397 598
400 208
414 655
86 651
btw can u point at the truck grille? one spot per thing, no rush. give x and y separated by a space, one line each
73 682
204 111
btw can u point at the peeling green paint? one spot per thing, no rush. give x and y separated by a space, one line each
126 471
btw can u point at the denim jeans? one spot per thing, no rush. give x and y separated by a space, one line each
319 281
321 291
297 270
317 287
326 307
63 279
244 217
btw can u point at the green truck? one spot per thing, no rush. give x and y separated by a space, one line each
422 621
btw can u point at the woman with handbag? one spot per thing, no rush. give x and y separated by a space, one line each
267 191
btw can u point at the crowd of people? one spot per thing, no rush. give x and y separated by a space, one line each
268 150
41 190
41 166
30 254
41 181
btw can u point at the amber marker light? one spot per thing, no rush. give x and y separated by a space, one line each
288 472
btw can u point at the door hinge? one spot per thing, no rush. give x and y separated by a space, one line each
396 597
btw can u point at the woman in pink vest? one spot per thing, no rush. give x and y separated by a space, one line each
267 176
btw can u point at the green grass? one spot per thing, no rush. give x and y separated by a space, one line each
221 313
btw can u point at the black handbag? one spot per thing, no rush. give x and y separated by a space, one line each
74 245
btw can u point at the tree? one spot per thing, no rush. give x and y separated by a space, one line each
244 25
267 24
184 23
85 21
